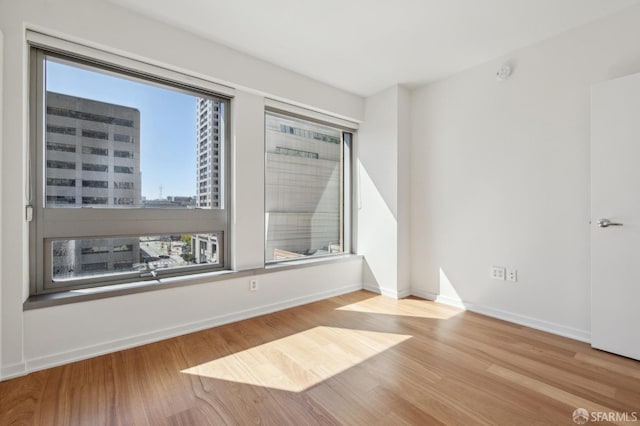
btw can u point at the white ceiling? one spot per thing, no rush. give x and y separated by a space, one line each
364 46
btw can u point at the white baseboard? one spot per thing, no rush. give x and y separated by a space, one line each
13 370
424 294
54 360
387 292
451 301
549 327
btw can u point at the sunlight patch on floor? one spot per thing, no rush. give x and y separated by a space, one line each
299 361
405 307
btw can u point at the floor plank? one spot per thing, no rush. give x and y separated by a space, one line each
359 359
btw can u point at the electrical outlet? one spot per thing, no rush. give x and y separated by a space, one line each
512 275
253 285
498 272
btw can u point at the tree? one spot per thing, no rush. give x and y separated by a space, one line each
186 238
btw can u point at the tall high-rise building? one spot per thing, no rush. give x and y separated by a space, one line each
92 160
209 153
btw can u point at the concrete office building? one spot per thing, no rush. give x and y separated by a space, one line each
303 188
205 248
92 160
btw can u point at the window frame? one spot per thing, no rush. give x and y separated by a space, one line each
51 223
348 181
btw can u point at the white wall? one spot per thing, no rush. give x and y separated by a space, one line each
56 335
248 222
43 337
1 179
405 256
500 174
383 198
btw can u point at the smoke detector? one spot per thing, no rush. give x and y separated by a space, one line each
504 72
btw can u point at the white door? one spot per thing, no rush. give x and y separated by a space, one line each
615 216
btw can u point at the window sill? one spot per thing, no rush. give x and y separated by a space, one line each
95 293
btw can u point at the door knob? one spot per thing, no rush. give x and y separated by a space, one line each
604 223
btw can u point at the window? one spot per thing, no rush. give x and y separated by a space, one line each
94 134
122 138
122 154
123 169
122 200
95 184
94 200
307 189
63 147
94 151
95 167
53 164
61 130
60 199
114 201
61 182
123 185
296 152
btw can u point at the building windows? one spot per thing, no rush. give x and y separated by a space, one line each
94 151
53 164
122 138
61 182
61 130
62 147
94 200
307 188
60 199
83 115
305 133
89 167
94 250
128 232
95 134
119 201
123 185
122 265
95 184
296 152
123 154
123 169
123 248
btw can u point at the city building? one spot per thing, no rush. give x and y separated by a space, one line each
303 188
92 160
205 248
170 202
209 152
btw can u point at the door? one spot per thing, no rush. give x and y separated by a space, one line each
615 216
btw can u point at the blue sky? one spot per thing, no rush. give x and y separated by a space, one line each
167 124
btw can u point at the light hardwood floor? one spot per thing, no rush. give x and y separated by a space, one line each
357 359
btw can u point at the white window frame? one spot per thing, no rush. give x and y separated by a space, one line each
49 224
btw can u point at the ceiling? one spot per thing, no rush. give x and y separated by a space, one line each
364 46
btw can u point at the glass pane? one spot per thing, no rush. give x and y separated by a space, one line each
113 141
304 189
86 258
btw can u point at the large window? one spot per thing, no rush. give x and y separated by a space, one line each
128 178
307 188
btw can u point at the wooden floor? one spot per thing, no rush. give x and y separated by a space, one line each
358 359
